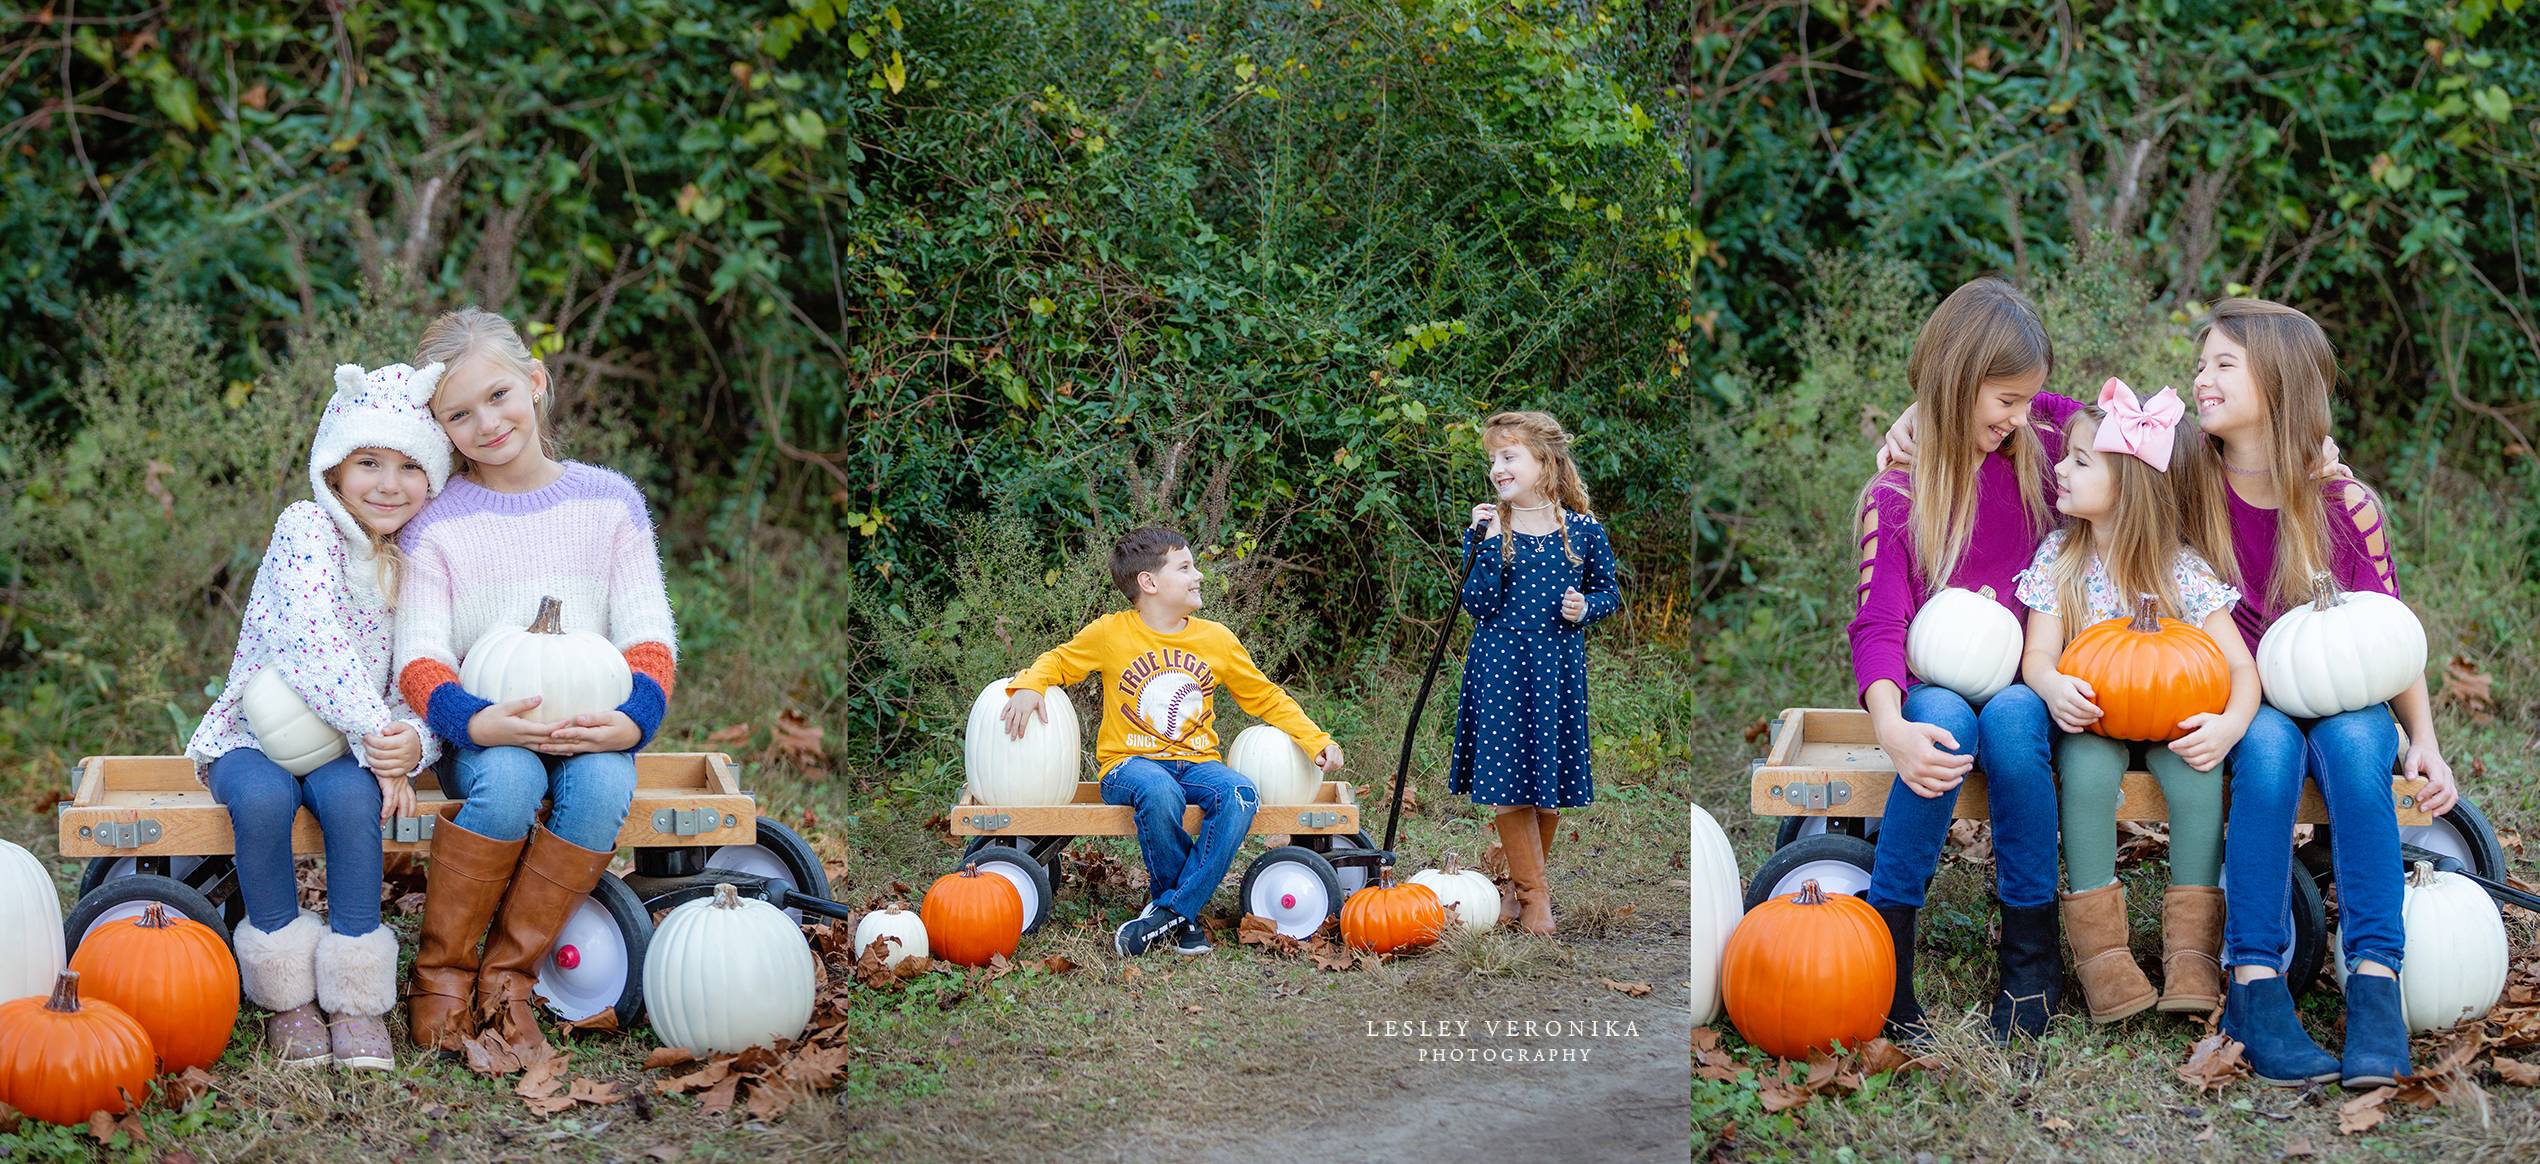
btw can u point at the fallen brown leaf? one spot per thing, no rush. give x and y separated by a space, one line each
1634 989
2364 1112
2468 686
106 1127
735 734
2516 1072
797 740
2298 1146
2214 1063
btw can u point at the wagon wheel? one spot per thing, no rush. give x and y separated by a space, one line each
1798 828
1048 852
781 856
2463 833
1352 858
2310 936
1294 887
131 895
1032 881
597 961
1836 862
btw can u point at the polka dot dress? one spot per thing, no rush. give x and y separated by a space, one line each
1521 727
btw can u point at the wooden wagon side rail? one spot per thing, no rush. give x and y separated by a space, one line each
1826 761
152 806
1332 812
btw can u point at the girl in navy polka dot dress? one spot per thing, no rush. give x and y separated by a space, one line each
1542 573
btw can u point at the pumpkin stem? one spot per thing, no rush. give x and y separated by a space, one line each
1809 894
154 917
1986 591
2422 875
65 998
1449 865
2147 614
2324 593
726 897
550 620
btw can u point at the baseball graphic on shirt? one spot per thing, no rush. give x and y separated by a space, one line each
1170 705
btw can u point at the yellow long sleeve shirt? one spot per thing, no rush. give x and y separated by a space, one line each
1159 689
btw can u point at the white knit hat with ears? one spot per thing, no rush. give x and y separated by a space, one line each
388 408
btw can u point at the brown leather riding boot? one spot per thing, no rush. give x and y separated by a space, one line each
555 875
461 886
2096 927
1509 819
1522 839
2191 948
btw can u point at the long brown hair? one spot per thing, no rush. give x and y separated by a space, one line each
2294 368
1985 331
2143 527
472 331
1550 443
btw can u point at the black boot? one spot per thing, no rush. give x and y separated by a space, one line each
1904 1014
2032 958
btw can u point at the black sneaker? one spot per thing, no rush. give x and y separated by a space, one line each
1135 935
1190 938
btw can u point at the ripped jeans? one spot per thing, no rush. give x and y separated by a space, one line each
1182 873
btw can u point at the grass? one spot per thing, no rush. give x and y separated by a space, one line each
1222 1053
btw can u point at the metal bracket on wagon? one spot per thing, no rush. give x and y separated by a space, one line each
988 822
1317 820
689 822
1818 795
410 829
131 834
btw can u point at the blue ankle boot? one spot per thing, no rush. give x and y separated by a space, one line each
2376 1032
2260 1015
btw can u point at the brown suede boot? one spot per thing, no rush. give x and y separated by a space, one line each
555 875
1522 839
2191 947
1507 819
461 886
2095 926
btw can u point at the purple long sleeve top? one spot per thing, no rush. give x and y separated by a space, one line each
1892 590
2358 552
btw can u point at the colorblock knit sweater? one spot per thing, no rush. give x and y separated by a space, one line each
477 559
315 613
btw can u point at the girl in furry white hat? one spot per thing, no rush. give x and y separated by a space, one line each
309 718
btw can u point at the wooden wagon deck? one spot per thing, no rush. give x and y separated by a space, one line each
1332 812
1826 761
152 806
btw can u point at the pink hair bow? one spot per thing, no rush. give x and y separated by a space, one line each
2142 429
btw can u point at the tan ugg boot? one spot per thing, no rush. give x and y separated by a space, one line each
2096 929
2191 945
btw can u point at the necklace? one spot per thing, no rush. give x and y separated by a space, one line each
1533 508
2237 471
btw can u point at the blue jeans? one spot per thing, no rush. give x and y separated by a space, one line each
502 788
1183 873
2349 755
2013 742
263 801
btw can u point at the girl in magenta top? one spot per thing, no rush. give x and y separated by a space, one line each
2263 379
1968 513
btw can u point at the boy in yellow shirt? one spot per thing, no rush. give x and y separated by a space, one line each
1157 751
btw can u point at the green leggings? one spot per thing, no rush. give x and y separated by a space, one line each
2089 771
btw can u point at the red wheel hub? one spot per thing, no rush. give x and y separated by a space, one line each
568 957
1287 901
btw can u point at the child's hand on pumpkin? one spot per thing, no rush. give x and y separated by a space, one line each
2070 701
606 731
1573 604
1925 758
1019 709
2210 737
396 798
393 752
1329 759
2424 761
500 725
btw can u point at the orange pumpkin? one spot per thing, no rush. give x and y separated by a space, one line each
971 917
1804 971
1386 917
2149 673
62 1059
173 975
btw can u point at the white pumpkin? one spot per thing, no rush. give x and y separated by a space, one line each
1040 768
1718 903
286 731
727 972
2340 652
1965 641
2452 969
571 672
903 929
31 916
1277 765
1467 892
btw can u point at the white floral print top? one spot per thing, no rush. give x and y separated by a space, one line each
2199 586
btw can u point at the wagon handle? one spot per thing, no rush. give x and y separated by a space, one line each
2446 863
1411 730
